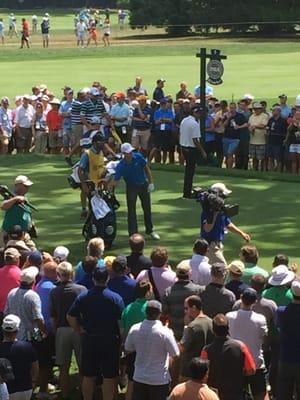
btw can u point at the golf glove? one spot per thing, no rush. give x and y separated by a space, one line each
151 187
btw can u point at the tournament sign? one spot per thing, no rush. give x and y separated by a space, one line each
215 70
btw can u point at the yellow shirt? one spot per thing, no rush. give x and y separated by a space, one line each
96 166
258 136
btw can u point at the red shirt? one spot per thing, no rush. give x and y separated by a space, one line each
9 279
26 28
54 120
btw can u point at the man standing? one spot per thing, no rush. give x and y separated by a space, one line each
251 328
16 210
45 28
197 334
258 127
24 116
22 357
200 263
141 124
230 360
120 113
6 125
92 107
158 93
189 140
138 88
285 108
216 298
61 299
95 315
139 183
25 33
276 130
151 375
65 111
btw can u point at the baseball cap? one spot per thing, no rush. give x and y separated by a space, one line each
27 97
221 188
183 268
126 148
29 274
94 91
281 275
11 323
45 98
163 101
154 304
295 287
55 101
95 120
282 96
160 80
46 15
15 231
70 91
236 267
35 258
249 295
24 180
85 90
119 264
11 252
257 105
43 87
120 95
248 96
61 252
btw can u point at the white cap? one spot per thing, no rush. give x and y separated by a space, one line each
295 287
11 323
220 187
85 90
26 96
46 15
126 148
248 96
281 275
29 274
24 180
45 97
94 91
61 252
297 101
55 101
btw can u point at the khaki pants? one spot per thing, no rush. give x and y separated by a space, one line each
215 253
40 142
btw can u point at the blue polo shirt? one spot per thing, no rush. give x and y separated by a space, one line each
66 106
98 311
124 286
79 271
285 111
133 172
218 232
160 113
43 289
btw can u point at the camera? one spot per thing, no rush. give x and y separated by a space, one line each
213 201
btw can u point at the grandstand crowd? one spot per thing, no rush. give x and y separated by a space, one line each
242 134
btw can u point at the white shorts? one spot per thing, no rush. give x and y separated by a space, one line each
294 148
80 35
46 36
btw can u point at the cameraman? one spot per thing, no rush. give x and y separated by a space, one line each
213 227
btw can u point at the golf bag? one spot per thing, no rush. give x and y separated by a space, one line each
101 220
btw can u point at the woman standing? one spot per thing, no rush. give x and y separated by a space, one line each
106 33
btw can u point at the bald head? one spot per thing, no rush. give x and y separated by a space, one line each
137 243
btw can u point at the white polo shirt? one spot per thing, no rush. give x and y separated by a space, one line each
200 269
189 130
153 344
24 116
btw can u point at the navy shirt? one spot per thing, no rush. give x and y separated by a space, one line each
277 131
288 319
98 311
142 125
133 172
158 94
229 131
236 287
218 231
125 287
21 355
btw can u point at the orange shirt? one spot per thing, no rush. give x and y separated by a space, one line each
26 28
193 390
54 120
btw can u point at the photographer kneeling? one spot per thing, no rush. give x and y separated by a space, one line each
215 220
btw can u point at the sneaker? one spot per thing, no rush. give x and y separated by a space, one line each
154 236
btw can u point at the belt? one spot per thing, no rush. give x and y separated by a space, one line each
188 148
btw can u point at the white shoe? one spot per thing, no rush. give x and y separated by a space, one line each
154 236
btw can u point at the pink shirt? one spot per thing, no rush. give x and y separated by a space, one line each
163 278
9 279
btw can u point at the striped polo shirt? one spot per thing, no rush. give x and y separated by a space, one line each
75 112
90 109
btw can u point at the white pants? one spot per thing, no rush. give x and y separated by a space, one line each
21 395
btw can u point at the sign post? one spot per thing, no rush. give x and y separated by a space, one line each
214 69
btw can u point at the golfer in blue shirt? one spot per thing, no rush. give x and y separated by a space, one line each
139 183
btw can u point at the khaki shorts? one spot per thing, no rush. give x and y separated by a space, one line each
77 132
66 340
4 139
140 139
55 139
215 253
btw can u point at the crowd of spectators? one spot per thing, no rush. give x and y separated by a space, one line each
242 134
141 325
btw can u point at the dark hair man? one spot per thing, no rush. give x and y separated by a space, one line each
137 261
